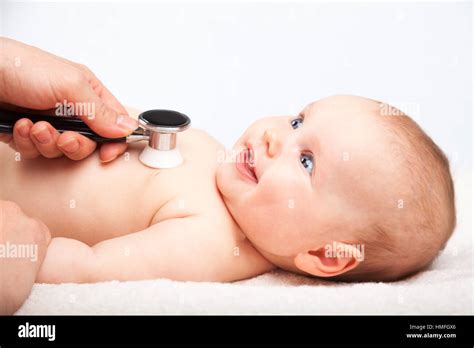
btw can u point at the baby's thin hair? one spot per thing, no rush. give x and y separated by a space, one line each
401 245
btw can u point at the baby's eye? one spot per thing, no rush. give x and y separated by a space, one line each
307 162
296 122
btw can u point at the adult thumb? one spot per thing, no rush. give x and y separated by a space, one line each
103 119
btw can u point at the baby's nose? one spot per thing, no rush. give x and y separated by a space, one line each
270 138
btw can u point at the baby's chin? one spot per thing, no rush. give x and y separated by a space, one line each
224 182
219 178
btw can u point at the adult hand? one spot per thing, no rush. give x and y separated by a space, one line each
18 271
34 79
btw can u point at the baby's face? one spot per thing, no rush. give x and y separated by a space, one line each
311 172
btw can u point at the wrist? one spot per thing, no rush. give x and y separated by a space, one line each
67 261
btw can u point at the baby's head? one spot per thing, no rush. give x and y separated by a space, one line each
350 188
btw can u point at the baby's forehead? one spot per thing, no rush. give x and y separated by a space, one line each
343 124
346 108
350 139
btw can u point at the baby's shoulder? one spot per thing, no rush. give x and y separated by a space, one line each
203 202
196 136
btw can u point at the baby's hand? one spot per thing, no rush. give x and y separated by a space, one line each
18 270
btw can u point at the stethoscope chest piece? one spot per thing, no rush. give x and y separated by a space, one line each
161 127
158 127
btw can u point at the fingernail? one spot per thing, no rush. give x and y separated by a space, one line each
114 156
42 135
70 145
109 159
23 129
127 123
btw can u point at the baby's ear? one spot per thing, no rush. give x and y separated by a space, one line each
330 260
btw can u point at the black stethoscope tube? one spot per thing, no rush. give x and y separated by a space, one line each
8 119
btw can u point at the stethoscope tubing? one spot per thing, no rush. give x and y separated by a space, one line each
62 124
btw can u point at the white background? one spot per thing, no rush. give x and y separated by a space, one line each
227 64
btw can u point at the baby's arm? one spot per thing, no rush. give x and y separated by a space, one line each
178 249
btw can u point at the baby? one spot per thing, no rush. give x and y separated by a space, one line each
350 189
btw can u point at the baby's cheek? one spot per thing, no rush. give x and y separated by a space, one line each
286 201
275 201
283 186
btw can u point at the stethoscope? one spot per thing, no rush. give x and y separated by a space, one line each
158 127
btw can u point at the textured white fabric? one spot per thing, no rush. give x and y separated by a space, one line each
445 288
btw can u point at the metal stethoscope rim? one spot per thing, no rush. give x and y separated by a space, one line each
152 127
159 136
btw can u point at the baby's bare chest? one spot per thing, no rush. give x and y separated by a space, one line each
92 202
189 189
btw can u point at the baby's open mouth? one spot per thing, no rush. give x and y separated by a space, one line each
246 166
